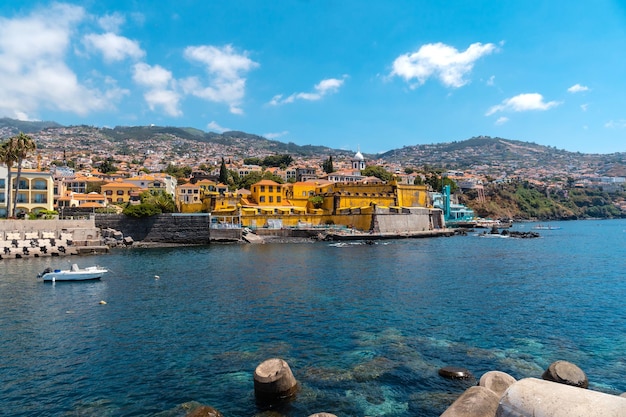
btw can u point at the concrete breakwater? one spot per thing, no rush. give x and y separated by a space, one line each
560 393
39 238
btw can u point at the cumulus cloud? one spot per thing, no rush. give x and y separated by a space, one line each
523 102
214 127
584 107
111 22
33 71
113 47
441 61
577 88
321 89
226 70
275 135
161 88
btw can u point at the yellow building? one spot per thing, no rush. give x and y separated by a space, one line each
35 191
119 191
267 193
91 200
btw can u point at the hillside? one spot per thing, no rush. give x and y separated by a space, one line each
521 200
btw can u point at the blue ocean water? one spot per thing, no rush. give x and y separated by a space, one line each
364 328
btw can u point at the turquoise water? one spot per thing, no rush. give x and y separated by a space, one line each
364 328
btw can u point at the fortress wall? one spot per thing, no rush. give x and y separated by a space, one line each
162 228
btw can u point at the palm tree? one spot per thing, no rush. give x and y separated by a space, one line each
23 145
8 156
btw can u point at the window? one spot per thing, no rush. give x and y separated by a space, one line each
278 199
271 189
120 192
21 198
40 199
23 185
271 199
2 183
263 188
262 199
108 192
40 185
120 200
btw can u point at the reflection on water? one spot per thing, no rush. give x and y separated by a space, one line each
364 327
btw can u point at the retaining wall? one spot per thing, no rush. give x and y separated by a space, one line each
162 228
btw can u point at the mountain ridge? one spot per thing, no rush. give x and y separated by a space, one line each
461 155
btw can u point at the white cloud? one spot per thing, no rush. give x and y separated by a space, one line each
226 72
502 120
523 102
440 61
113 47
584 107
321 89
111 22
214 127
491 80
33 71
616 124
161 88
577 88
275 135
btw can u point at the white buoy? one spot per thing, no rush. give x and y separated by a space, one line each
156 277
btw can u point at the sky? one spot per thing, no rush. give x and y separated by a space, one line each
348 74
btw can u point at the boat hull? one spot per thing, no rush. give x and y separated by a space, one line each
88 274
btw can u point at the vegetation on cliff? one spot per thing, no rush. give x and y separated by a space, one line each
521 200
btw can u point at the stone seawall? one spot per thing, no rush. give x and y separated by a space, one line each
162 228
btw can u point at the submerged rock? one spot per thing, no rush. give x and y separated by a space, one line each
566 373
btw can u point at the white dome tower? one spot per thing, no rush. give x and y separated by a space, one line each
358 161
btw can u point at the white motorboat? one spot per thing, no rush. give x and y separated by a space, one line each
73 274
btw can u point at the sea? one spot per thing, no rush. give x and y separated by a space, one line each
364 327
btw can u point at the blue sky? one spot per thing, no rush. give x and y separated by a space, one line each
373 75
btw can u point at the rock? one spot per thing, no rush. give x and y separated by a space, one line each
623 395
566 373
496 381
322 415
474 402
273 381
532 397
204 411
455 372
128 240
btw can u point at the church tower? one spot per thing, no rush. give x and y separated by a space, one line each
358 162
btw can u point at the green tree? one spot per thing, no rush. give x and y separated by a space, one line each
23 146
8 156
94 187
269 176
223 172
108 166
378 172
327 165
252 178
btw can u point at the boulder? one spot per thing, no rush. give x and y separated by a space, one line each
476 401
455 372
566 373
496 381
204 411
532 397
273 381
128 240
